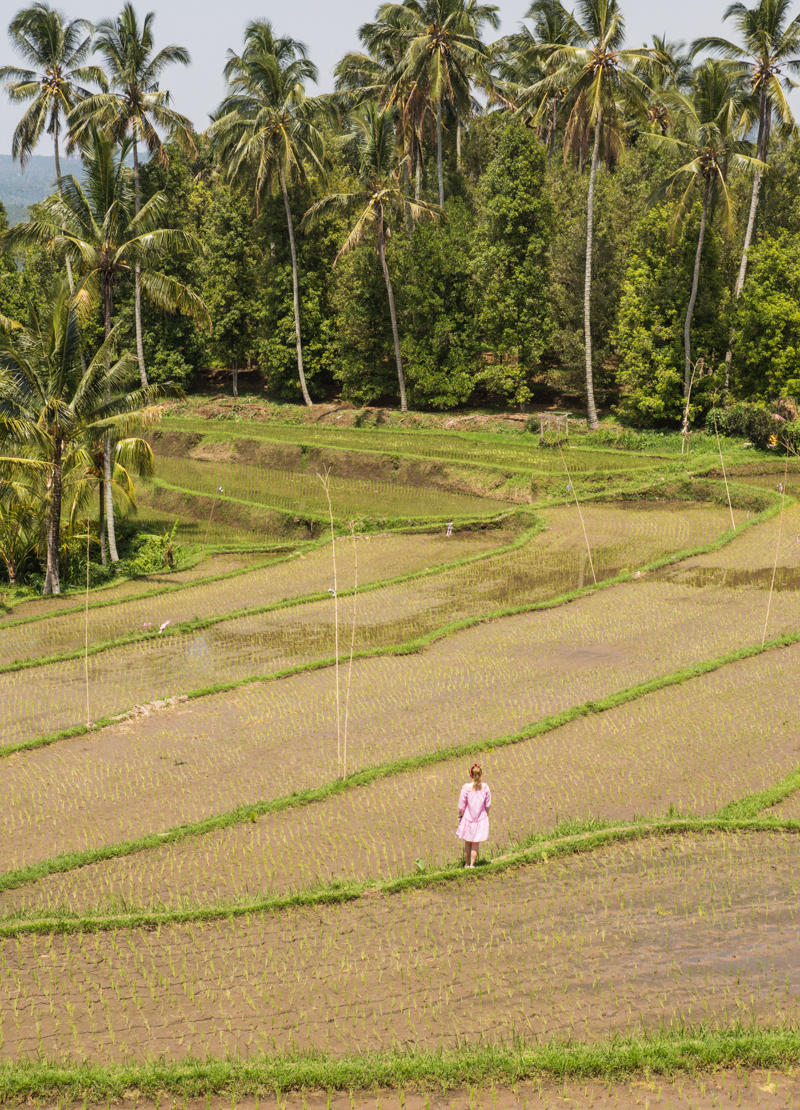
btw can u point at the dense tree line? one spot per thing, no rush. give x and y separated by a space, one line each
461 222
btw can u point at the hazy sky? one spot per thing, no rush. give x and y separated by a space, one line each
208 27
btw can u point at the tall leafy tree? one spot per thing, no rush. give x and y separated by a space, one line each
134 108
95 225
57 50
512 261
769 44
267 127
376 204
50 405
600 84
713 120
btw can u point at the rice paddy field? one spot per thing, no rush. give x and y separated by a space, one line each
229 869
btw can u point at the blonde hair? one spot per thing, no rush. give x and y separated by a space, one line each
476 774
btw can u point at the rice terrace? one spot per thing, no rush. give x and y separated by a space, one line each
399 477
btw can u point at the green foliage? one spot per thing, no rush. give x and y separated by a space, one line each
648 337
753 422
512 265
440 339
766 359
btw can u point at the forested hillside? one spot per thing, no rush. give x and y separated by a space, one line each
400 241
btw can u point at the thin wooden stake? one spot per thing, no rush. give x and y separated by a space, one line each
580 514
777 547
352 646
724 475
86 630
326 485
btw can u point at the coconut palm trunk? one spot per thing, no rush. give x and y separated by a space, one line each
687 325
439 152
108 498
393 315
458 143
61 193
137 288
591 411
296 291
52 583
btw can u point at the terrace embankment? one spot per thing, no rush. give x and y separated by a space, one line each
639 758
262 643
231 749
654 935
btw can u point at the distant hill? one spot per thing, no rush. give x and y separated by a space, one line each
18 190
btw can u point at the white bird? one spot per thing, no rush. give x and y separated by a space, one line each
163 626
332 592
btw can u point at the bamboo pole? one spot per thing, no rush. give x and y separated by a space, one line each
326 485
580 514
777 546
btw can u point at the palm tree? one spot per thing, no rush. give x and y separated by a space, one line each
135 108
95 226
669 70
769 45
49 405
18 526
598 83
58 51
377 202
526 58
266 123
442 53
714 118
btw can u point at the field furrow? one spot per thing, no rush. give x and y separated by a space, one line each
380 556
642 758
217 753
160 666
658 934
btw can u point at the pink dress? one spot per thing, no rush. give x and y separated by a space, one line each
474 805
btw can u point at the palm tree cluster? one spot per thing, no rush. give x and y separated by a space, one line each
424 76
67 412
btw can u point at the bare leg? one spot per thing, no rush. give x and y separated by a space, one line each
467 847
474 849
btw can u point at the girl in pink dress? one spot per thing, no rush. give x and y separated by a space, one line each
473 810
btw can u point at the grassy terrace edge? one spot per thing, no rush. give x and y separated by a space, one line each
409 647
742 810
690 1049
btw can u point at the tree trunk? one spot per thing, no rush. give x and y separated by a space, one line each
52 584
406 190
107 464
551 138
439 152
761 154
235 380
70 279
591 411
458 143
418 177
296 291
101 523
137 201
393 315
687 325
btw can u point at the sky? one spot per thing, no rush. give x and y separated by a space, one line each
207 28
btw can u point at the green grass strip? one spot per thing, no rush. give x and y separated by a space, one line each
753 804
70 861
688 1050
542 851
